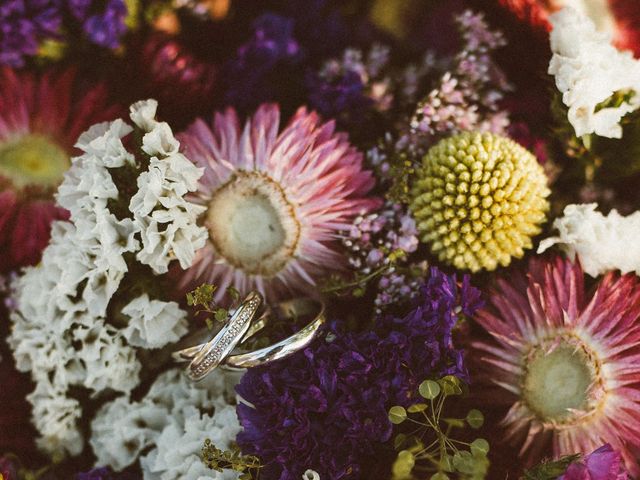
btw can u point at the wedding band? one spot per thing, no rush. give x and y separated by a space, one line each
291 309
212 353
199 338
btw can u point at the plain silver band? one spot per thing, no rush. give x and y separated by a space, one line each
283 348
212 353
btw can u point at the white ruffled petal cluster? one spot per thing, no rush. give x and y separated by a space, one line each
153 323
602 243
61 331
588 70
167 221
173 419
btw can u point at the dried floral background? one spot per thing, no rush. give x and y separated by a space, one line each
454 179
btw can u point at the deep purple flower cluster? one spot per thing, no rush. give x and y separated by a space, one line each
23 25
272 45
325 408
103 473
352 88
103 22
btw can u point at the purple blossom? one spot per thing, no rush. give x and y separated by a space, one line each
370 241
23 25
353 87
469 95
103 22
272 45
603 464
103 473
325 408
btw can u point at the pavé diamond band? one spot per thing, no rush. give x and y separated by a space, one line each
217 349
217 352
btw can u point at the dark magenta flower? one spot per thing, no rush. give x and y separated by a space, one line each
603 464
325 408
23 25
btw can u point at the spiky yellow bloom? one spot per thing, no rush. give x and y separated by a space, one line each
478 199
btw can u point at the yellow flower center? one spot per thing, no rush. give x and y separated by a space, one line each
252 224
562 381
33 160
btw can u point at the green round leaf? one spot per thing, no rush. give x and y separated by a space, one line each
418 407
439 476
475 419
397 414
399 441
463 462
404 464
446 463
479 447
429 389
450 385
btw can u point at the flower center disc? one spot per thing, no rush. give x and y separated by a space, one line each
33 160
560 381
252 224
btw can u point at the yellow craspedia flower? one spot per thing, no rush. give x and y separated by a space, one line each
477 200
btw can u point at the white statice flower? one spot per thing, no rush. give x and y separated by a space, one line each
171 422
588 70
55 416
153 323
166 220
61 331
122 429
602 243
177 449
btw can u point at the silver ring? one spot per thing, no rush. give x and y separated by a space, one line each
212 353
290 309
299 340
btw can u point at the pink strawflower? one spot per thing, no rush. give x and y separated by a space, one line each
40 120
602 464
568 362
276 201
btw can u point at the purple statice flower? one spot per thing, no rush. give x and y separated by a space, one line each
103 473
325 408
271 47
23 25
353 87
420 344
603 464
103 21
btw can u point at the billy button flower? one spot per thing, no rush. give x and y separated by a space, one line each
478 199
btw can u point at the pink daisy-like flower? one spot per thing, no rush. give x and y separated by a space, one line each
40 120
568 362
276 201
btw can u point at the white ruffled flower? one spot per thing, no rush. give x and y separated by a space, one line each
602 243
177 449
54 416
177 416
61 332
588 70
310 475
153 323
122 429
166 220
